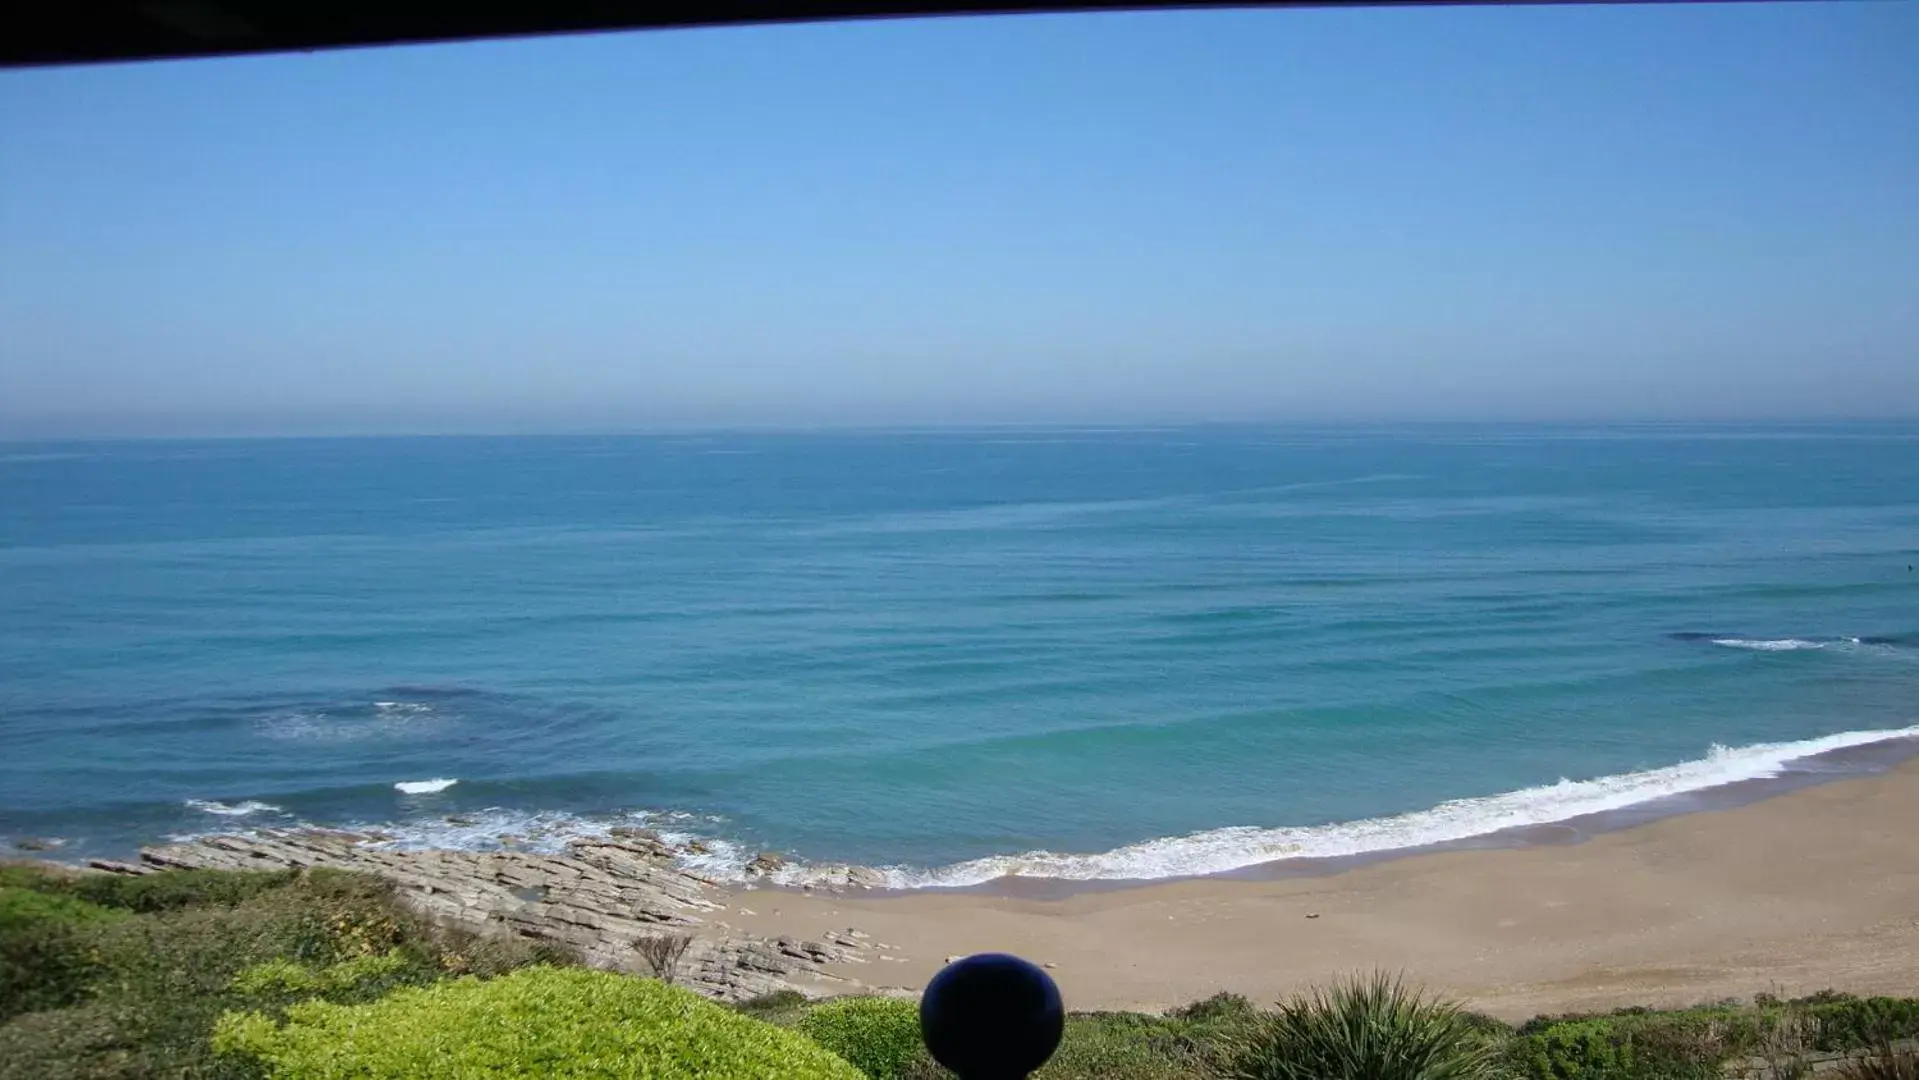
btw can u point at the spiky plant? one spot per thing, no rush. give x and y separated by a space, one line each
1370 1028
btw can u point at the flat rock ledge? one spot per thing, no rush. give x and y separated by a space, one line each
597 898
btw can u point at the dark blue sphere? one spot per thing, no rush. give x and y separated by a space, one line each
992 1017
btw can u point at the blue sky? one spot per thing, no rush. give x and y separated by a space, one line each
1555 212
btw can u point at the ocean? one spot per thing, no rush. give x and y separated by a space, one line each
1067 653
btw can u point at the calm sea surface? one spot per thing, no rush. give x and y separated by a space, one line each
1151 652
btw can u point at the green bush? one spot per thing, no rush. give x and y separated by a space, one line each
166 891
1371 1029
1221 1007
1858 1023
1120 1046
1187 1042
284 978
782 1007
46 956
143 984
22 909
94 1041
1631 1044
879 1036
547 1023
1580 1050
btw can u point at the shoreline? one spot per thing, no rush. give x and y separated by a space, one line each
1858 762
1787 886
1568 811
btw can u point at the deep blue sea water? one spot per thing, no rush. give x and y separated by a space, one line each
1152 651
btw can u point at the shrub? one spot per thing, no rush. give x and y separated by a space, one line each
549 1023
1219 1007
1633 1046
95 1041
1370 1029
22 909
357 976
662 953
783 1007
144 987
165 891
1187 1042
1120 1046
1849 1023
1634 1043
879 1036
46 957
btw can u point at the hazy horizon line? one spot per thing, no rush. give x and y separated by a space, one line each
719 430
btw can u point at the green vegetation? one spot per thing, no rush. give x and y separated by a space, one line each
1680 1044
543 1022
1371 1029
879 1036
45 958
118 978
261 976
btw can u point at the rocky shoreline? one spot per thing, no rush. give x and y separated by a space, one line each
599 897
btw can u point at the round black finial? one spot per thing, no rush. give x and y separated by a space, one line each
992 1017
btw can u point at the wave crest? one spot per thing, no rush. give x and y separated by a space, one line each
239 809
1769 645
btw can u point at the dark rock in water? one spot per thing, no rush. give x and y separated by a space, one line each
455 819
597 898
37 843
766 862
631 832
698 847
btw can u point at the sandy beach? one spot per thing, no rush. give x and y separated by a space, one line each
1815 888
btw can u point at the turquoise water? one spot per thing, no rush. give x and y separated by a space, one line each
1154 652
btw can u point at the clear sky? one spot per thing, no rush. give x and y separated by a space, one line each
1556 212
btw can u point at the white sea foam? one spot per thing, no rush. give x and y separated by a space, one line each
240 809
1773 644
1852 645
1219 850
423 787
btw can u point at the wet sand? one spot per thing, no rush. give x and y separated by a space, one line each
1812 888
